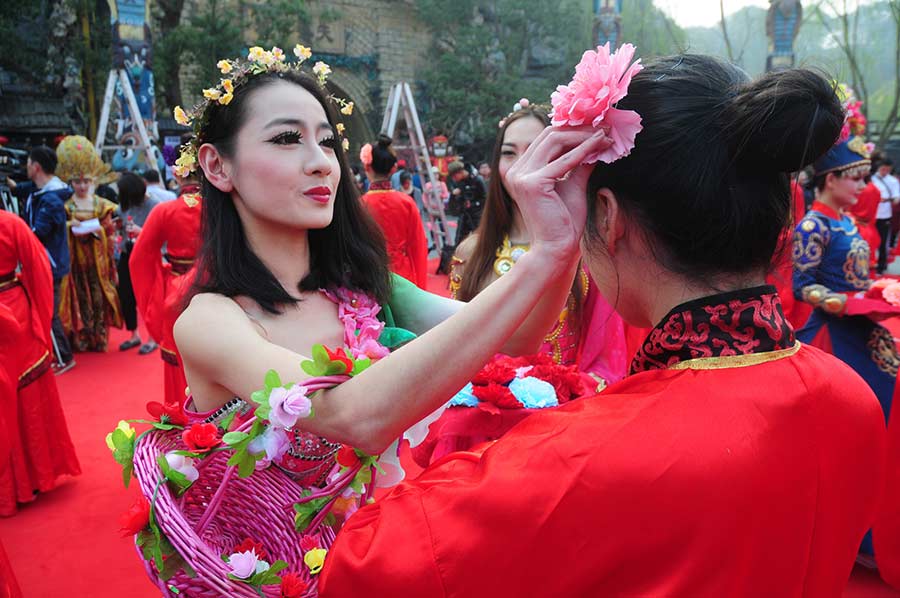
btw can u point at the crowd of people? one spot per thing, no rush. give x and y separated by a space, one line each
722 328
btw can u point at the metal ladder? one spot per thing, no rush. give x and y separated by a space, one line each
128 92
401 97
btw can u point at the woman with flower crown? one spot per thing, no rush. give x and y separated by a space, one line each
588 333
292 265
89 302
732 461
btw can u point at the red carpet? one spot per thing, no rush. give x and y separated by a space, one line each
66 542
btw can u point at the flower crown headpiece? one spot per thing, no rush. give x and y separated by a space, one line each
239 71
601 80
521 105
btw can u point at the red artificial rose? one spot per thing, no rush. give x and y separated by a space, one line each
308 543
173 414
201 438
292 586
565 379
251 544
340 355
135 519
497 394
494 372
346 456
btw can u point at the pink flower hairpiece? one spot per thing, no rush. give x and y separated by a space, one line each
365 154
601 80
523 103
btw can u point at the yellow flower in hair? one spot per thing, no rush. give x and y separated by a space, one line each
302 52
228 86
185 163
321 70
212 93
278 54
347 108
226 99
181 117
340 128
256 54
224 66
345 143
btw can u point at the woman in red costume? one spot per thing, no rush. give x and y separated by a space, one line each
33 421
174 225
864 211
396 213
9 329
733 461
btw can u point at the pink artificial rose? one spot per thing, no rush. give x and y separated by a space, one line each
274 442
365 344
601 80
288 405
365 154
183 465
243 564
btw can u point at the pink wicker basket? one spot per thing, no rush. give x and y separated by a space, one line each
219 510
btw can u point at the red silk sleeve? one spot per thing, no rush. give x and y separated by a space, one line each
418 247
146 269
37 278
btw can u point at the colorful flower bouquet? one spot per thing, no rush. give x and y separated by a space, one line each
881 300
216 519
503 393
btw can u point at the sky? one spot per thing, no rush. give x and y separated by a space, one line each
702 13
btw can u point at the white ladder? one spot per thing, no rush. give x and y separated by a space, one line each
401 97
128 92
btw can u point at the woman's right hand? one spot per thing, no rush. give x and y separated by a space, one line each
550 185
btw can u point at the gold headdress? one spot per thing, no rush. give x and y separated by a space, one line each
238 71
78 159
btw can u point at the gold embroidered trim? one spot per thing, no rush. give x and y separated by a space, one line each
735 361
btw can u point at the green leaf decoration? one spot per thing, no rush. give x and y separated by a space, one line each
229 419
260 396
360 365
311 368
232 438
273 380
162 426
320 355
393 337
175 478
306 512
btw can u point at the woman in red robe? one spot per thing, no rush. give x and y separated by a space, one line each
174 225
733 461
35 427
396 213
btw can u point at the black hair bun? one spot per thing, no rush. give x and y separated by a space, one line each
384 141
783 121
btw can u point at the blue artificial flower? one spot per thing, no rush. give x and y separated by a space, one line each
465 398
534 393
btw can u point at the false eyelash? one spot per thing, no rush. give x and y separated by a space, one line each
287 136
329 142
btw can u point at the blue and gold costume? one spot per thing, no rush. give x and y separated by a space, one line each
831 262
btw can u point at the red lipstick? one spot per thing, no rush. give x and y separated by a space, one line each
320 194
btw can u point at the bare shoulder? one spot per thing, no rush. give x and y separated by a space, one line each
208 315
465 249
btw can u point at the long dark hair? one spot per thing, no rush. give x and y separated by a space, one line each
350 252
708 177
497 217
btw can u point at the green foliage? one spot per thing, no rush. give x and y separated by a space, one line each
488 55
217 29
304 513
269 577
22 36
652 31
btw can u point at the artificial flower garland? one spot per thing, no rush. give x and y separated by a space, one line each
238 70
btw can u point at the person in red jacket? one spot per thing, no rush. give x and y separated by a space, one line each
31 417
733 461
396 214
863 212
174 225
